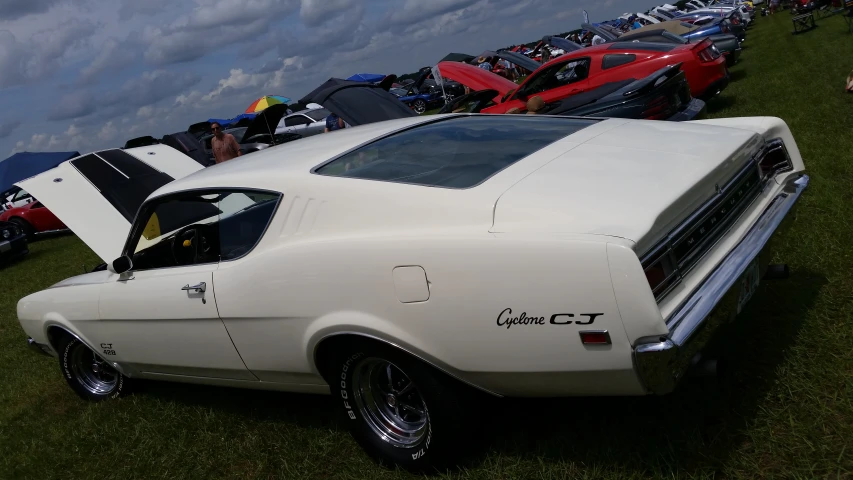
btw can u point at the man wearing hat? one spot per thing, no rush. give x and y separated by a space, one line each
484 64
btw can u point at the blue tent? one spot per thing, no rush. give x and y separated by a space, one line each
24 165
226 122
367 77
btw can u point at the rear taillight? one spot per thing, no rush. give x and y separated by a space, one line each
708 52
658 109
775 159
660 272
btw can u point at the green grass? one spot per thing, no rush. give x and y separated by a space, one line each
786 411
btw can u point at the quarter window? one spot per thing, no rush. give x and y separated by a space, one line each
615 60
195 228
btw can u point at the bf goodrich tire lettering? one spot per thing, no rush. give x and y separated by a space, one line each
413 422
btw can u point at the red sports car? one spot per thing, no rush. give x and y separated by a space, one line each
588 68
33 218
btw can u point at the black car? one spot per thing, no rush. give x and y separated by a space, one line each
13 242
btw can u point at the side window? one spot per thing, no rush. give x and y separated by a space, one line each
558 76
199 227
296 120
614 60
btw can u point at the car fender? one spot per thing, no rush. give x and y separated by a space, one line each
768 127
364 325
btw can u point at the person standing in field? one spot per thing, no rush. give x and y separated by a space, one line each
224 145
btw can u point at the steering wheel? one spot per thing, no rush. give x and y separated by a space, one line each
186 245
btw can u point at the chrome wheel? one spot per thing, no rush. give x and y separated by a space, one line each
419 106
93 373
390 402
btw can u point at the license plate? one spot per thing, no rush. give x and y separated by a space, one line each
748 284
5 246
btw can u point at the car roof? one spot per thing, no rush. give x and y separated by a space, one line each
265 169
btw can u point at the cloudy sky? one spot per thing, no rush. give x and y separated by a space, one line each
89 74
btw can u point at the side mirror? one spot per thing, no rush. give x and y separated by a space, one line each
121 264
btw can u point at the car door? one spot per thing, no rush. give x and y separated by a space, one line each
161 316
296 123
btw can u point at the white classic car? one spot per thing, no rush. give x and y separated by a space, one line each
402 266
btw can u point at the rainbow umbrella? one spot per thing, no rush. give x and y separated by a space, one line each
265 102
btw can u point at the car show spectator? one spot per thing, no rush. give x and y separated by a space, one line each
535 104
334 122
483 63
224 145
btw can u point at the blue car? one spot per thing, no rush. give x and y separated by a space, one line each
715 26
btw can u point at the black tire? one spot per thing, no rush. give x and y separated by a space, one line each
25 227
437 444
419 106
88 375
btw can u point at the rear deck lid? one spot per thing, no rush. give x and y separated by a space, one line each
97 195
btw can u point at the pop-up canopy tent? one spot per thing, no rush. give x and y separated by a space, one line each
366 77
24 165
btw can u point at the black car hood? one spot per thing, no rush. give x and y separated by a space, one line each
522 61
359 103
266 121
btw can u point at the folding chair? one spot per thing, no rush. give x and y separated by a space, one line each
803 22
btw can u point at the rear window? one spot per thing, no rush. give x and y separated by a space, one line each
649 46
457 152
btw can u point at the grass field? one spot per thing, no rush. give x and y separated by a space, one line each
785 412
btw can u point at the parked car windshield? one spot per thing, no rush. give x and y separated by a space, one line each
318 114
456 152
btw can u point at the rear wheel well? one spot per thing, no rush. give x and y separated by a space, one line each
324 358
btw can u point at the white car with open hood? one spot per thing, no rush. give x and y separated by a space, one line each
408 266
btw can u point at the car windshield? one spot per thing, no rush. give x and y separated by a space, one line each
455 152
318 114
398 91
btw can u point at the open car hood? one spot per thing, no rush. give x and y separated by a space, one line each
476 78
359 103
561 43
266 121
522 61
97 195
609 34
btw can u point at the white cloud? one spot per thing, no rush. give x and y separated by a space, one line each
107 132
42 53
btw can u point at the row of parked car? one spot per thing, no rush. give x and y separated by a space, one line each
665 70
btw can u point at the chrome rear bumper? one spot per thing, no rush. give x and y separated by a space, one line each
662 361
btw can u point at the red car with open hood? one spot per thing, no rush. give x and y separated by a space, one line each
33 218
589 68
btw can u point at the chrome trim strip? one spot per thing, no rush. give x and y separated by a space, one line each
429 362
660 361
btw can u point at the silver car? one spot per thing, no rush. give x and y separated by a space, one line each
304 122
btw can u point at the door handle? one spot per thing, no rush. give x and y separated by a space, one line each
200 288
